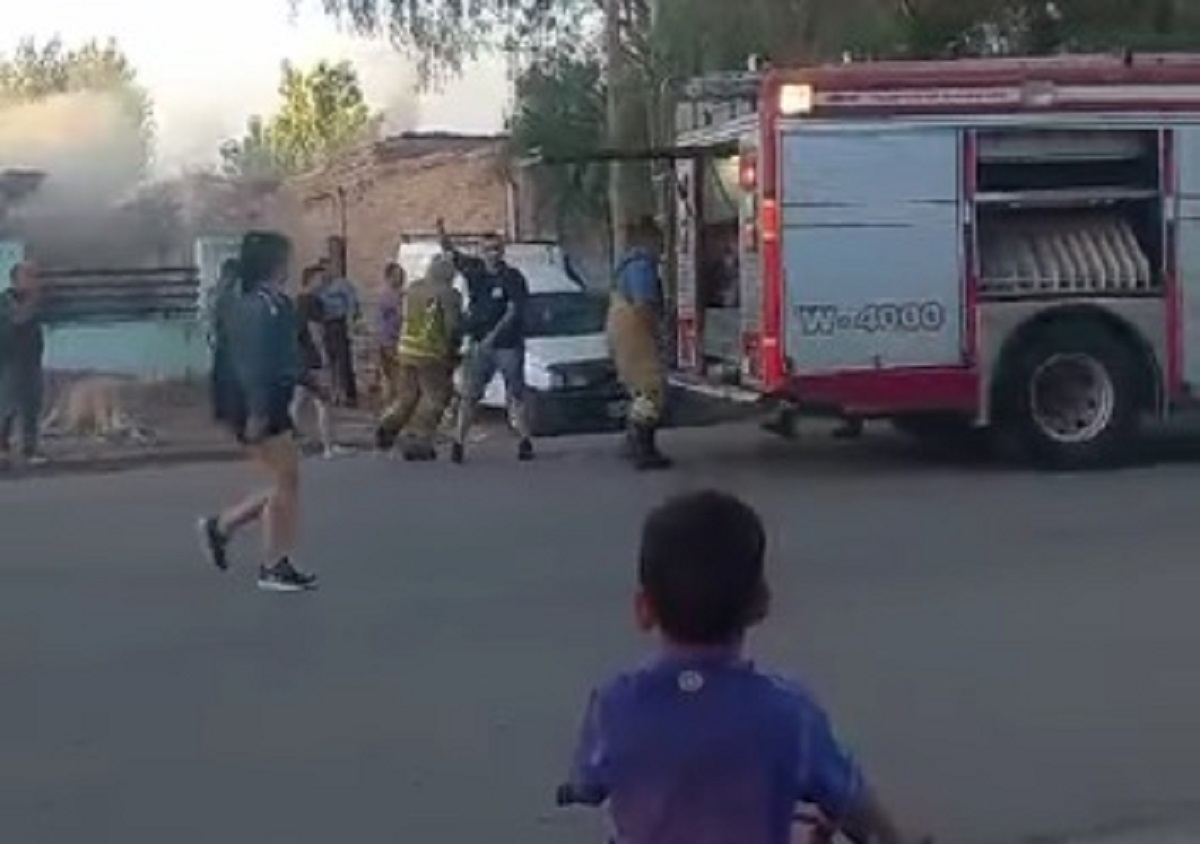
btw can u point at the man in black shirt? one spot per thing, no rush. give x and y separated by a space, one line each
496 299
22 348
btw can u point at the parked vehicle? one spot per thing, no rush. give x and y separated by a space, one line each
570 374
1010 245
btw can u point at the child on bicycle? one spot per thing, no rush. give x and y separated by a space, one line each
698 744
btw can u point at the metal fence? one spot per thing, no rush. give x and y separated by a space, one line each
121 294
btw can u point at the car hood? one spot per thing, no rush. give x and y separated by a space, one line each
554 351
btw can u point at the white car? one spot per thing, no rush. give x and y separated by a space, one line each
569 371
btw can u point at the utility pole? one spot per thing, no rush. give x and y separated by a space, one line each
617 79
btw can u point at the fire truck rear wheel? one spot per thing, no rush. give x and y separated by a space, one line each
1069 398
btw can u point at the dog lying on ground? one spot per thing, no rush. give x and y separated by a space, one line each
96 407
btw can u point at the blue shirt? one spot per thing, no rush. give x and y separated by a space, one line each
637 277
339 300
705 748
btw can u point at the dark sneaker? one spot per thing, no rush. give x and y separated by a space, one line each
457 453
525 451
420 454
646 456
282 577
214 543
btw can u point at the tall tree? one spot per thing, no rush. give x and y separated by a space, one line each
37 71
559 113
322 113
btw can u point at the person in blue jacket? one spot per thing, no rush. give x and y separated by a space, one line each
256 361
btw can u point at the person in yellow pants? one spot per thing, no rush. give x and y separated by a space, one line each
634 326
426 354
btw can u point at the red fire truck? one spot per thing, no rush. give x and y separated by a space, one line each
1010 244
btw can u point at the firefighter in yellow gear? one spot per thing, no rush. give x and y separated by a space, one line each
634 329
426 355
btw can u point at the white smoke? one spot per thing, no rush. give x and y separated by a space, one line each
93 152
89 144
203 103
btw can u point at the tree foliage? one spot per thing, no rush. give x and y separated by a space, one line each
442 35
559 112
1021 27
322 113
38 71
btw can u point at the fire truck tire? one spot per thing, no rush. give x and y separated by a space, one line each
1069 397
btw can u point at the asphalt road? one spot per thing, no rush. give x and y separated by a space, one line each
1011 654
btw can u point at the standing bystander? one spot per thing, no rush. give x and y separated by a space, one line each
313 386
340 310
22 348
387 330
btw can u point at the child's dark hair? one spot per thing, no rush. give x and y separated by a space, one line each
263 254
231 269
702 567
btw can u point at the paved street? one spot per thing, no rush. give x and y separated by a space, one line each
1011 654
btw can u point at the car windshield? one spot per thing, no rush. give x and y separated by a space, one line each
565 314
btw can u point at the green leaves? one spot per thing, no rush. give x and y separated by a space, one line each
560 113
322 112
441 35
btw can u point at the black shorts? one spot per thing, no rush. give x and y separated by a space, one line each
279 417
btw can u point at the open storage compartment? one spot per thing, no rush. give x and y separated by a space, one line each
717 260
1063 212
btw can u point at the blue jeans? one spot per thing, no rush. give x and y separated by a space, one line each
479 369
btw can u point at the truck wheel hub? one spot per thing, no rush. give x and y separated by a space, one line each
1072 398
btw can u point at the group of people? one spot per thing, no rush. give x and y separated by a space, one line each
267 364
431 324
696 744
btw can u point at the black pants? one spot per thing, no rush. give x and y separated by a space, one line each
21 401
341 359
